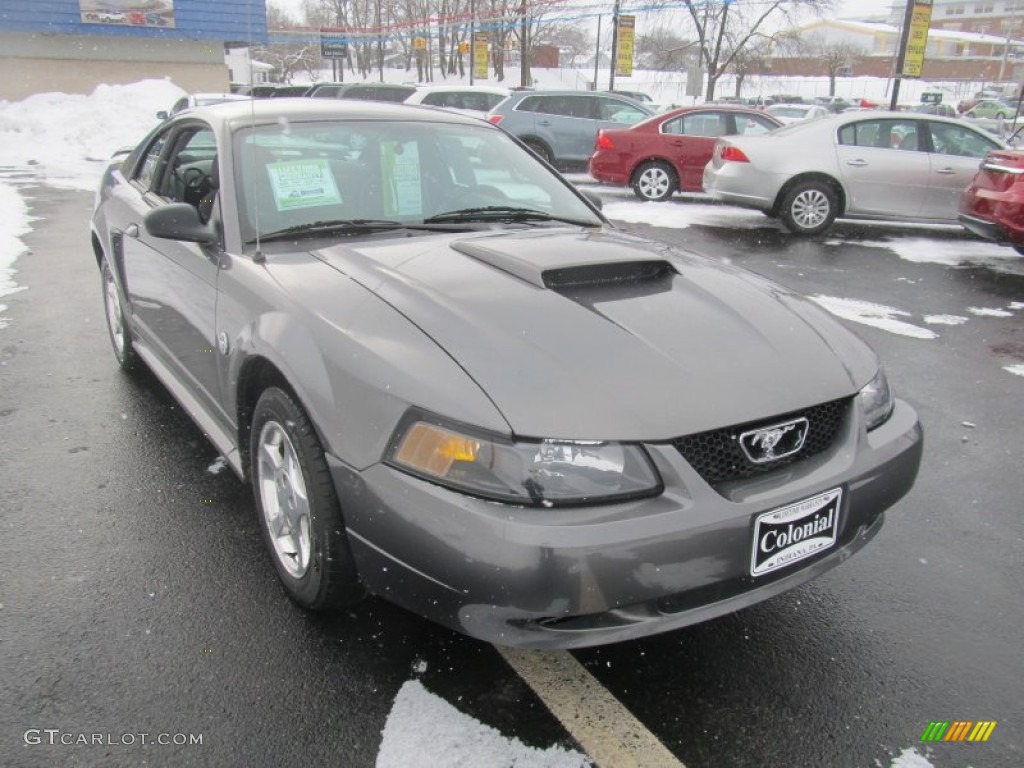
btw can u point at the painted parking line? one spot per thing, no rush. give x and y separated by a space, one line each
610 734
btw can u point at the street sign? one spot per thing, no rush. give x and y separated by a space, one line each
333 45
921 19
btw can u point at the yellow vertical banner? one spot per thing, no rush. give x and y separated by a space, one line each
480 56
624 54
917 41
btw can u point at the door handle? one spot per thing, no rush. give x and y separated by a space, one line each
132 230
946 171
857 163
543 122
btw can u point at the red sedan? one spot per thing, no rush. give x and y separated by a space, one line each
993 205
667 153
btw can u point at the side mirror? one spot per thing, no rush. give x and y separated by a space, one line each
163 114
178 221
592 197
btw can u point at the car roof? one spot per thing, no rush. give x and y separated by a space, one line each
494 89
234 114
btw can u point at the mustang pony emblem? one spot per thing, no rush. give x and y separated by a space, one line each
774 442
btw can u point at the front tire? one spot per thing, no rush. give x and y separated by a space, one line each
120 336
654 181
298 508
809 208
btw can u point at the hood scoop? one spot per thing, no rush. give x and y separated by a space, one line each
635 277
544 265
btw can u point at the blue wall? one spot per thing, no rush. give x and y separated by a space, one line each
234 20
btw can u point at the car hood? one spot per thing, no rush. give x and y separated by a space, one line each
606 336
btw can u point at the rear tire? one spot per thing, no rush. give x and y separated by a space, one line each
540 149
809 208
655 181
298 509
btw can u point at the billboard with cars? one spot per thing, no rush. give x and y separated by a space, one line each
135 13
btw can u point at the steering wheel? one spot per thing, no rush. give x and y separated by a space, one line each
477 196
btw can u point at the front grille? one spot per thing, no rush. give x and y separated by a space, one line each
717 457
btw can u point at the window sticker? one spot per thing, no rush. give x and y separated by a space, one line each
303 184
400 170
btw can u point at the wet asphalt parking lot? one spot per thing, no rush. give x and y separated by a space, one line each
135 595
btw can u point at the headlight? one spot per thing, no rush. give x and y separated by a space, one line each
876 400
523 472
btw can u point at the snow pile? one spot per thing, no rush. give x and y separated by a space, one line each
425 731
66 139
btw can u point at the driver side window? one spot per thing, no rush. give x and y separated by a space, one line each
190 173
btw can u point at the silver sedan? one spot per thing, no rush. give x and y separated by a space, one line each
877 165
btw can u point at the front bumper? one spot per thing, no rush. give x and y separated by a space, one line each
569 577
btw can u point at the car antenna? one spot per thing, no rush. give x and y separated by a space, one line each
257 257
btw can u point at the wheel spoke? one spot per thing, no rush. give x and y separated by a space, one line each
284 500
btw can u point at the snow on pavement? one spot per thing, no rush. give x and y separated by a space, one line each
14 213
424 731
876 315
909 758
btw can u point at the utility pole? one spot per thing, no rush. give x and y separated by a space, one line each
472 39
524 68
901 55
597 52
615 46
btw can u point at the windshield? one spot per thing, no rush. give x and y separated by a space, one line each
406 172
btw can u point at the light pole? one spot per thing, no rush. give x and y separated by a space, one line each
615 46
380 44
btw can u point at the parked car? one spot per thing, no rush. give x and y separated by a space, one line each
452 383
365 91
289 91
640 96
992 206
791 113
561 126
476 100
882 165
945 110
834 104
992 108
667 153
193 100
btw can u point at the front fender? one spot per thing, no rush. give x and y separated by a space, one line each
354 362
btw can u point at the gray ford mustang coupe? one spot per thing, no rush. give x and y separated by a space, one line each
453 384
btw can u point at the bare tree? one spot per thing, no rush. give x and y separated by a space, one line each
569 37
663 49
753 58
838 56
288 58
725 28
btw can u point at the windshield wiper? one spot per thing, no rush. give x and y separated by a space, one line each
505 213
342 226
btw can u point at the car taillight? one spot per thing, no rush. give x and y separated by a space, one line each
1005 162
734 154
604 141
494 119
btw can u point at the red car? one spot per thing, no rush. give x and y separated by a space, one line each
667 153
993 205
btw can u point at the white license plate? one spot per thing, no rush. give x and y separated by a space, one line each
789 534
